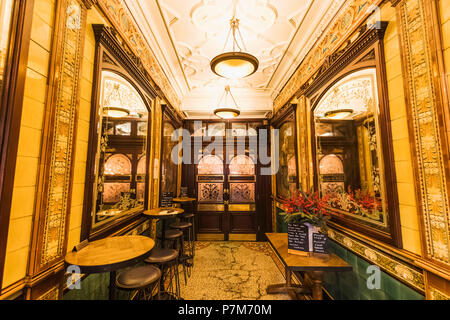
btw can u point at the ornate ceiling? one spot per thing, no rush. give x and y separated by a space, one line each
186 34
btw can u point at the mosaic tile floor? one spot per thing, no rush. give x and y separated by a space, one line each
232 271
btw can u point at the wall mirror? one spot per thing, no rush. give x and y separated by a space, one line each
286 176
117 168
352 150
122 151
169 168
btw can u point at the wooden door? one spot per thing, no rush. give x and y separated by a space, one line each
226 194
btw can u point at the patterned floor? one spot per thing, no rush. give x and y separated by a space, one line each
232 271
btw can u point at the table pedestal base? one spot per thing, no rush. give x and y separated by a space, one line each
294 289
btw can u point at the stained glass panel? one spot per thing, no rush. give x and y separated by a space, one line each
242 192
210 192
210 164
242 165
118 164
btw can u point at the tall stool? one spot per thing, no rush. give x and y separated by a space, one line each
188 205
176 236
185 255
167 261
143 280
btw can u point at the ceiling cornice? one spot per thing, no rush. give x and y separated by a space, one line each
118 14
344 24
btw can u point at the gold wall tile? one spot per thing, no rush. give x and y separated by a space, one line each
76 215
77 194
22 203
400 129
402 149
411 240
397 108
38 59
41 33
44 10
404 172
406 194
409 217
29 142
15 266
35 86
26 171
19 233
32 113
73 238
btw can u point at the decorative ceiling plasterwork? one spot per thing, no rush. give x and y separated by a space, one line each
355 12
191 32
119 16
199 29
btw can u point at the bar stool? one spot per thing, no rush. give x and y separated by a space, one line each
185 256
190 218
176 236
167 261
144 280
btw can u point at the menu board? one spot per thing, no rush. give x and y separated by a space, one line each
320 243
298 238
167 200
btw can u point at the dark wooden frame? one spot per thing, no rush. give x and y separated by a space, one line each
111 55
287 114
11 112
263 184
367 51
168 115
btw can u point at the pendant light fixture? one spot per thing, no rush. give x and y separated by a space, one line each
229 108
234 64
338 114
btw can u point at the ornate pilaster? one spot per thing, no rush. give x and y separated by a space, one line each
418 48
57 153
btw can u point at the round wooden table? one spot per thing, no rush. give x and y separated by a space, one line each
163 214
111 254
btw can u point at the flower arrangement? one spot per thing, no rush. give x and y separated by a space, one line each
307 207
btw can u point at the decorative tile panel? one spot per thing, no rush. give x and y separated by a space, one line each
397 268
60 150
422 93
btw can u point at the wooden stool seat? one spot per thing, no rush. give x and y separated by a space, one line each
139 277
173 234
159 255
181 225
187 215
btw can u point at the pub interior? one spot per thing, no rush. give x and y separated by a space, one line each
224 150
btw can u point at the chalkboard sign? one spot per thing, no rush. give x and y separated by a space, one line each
298 239
167 200
320 243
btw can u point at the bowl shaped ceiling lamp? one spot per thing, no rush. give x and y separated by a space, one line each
113 104
227 110
338 114
234 64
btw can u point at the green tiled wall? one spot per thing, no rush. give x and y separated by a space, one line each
353 285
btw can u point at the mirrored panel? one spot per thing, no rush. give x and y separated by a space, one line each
121 162
6 7
348 149
286 176
169 168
